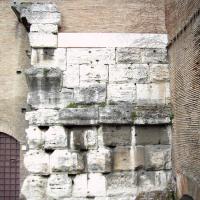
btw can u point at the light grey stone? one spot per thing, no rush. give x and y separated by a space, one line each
159 72
34 187
66 161
99 160
80 186
55 137
157 157
44 28
43 7
90 94
79 116
59 186
116 135
37 162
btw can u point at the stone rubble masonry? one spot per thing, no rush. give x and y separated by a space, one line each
99 117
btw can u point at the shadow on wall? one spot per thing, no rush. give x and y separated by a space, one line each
186 197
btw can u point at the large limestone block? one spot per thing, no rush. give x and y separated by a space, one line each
159 72
91 55
116 135
43 40
80 186
79 116
153 93
83 138
121 183
35 137
96 185
115 114
90 94
43 7
93 73
59 186
42 117
128 55
37 162
48 57
44 28
129 73
156 56
66 161
157 157
99 160
128 158
123 92
34 187
55 138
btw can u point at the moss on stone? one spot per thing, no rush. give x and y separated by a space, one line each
72 105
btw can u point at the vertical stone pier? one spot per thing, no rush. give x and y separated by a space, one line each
99 124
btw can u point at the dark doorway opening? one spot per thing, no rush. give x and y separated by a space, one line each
9 167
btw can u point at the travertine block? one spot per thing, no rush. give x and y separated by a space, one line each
80 186
43 40
90 94
44 28
128 55
79 116
35 137
157 157
99 160
115 114
48 57
83 138
154 56
37 162
128 73
159 72
55 137
59 186
121 93
43 7
121 183
128 158
93 73
96 185
66 161
34 187
91 55
116 135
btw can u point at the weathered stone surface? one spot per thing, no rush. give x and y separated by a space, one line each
37 162
42 117
157 157
128 158
121 183
34 187
93 73
80 186
44 28
96 185
115 114
43 7
83 138
79 116
116 135
43 40
35 137
121 93
55 138
90 94
154 134
159 72
128 73
128 55
154 56
66 161
59 186
91 55
158 114
154 93
99 160
48 57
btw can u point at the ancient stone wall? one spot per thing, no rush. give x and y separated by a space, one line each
99 119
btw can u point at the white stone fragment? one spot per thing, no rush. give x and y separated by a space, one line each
41 40
159 72
59 186
34 187
55 137
37 162
80 186
44 28
96 185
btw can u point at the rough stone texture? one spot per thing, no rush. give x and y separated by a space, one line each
159 72
80 186
44 28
